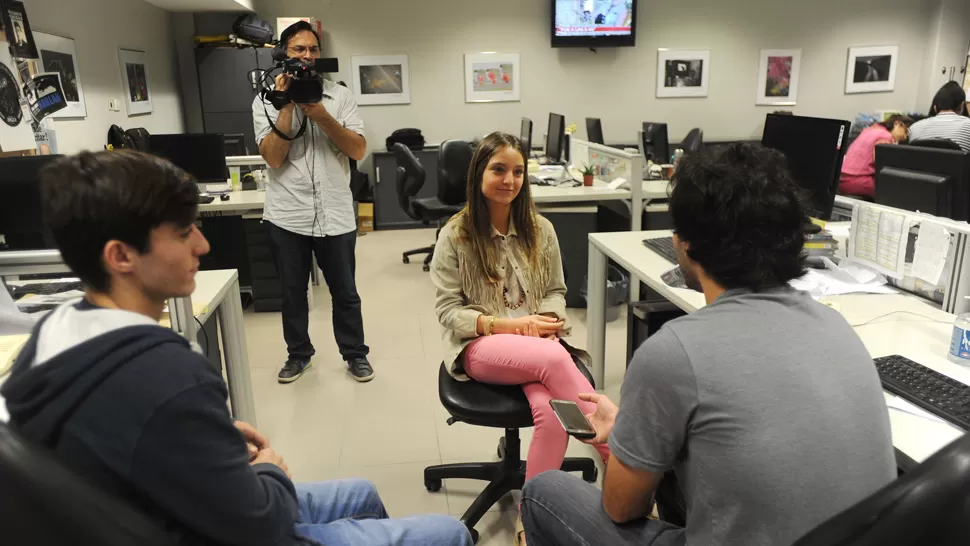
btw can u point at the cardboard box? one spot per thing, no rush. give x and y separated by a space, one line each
283 22
365 217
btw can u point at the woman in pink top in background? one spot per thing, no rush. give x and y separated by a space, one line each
858 167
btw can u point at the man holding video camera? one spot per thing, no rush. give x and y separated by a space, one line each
309 206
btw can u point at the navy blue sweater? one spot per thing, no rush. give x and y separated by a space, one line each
138 413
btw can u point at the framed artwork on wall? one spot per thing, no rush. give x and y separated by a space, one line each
778 73
683 73
381 80
135 81
492 77
57 55
871 69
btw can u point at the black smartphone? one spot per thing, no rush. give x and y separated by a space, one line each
572 419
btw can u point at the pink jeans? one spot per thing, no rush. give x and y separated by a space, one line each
546 372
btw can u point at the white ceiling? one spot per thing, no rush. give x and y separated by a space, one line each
203 5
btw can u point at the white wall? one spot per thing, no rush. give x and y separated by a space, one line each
617 85
946 52
99 29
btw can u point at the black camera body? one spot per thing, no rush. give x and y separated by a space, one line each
306 87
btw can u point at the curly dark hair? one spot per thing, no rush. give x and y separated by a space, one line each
742 215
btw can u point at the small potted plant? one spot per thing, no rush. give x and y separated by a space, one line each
588 172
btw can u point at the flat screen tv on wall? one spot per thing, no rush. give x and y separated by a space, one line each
594 23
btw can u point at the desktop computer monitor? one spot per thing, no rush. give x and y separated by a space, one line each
814 150
555 138
594 130
931 180
653 142
235 144
21 222
201 155
525 135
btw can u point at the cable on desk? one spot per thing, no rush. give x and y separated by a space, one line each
205 348
929 319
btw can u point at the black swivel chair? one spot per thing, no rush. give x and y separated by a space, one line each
694 141
410 180
44 504
940 143
929 505
495 406
594 130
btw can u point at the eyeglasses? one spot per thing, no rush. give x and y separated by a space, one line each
301 50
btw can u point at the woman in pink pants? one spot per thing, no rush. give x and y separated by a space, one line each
501 296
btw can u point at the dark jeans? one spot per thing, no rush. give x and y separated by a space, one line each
560 509
335 256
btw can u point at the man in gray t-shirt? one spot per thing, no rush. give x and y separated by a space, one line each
764 404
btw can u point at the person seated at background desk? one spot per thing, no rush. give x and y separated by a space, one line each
859 167
949 119
501 297
127 404
764 403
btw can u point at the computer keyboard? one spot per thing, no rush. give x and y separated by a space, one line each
663 246
942 396
43 288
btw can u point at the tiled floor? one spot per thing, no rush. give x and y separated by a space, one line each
328 426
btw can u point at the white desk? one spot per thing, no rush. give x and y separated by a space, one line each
218 292
916 338
577 194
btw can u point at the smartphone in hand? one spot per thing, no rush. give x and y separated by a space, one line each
573 419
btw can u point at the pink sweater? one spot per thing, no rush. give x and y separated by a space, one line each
858 167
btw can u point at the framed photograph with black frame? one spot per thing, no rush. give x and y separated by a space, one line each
57 54
871 69
135 81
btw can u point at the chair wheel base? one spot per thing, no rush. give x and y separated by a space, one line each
432 485
426 267
474 535
591 476
406 260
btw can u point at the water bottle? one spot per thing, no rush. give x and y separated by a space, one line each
960 342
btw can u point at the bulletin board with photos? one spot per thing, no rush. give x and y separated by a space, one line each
29 92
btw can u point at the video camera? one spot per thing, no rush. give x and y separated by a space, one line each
307 83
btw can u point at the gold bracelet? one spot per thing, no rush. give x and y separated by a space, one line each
488 325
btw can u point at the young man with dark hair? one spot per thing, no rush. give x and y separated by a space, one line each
765 404
310 207
127 404
948 119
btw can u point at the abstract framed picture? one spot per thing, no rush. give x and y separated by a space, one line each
57 55
871 69
778 73
492 77
381 80
135 81
683 73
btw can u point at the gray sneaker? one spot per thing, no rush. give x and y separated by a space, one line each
292 370
360 369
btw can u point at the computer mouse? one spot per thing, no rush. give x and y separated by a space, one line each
224 197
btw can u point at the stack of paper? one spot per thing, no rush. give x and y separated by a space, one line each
835 280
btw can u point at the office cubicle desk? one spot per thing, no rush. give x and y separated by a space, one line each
919 338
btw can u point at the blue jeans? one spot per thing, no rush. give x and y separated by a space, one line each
350 512
563 510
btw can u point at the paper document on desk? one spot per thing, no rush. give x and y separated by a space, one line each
904 405
878 240
932 247
837 280
674 278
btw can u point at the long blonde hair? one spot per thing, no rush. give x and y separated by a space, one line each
474 219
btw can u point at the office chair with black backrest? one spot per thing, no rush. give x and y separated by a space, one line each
410 180
594 130
454 158
940 143
44 504
694 141
496 406
927 506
